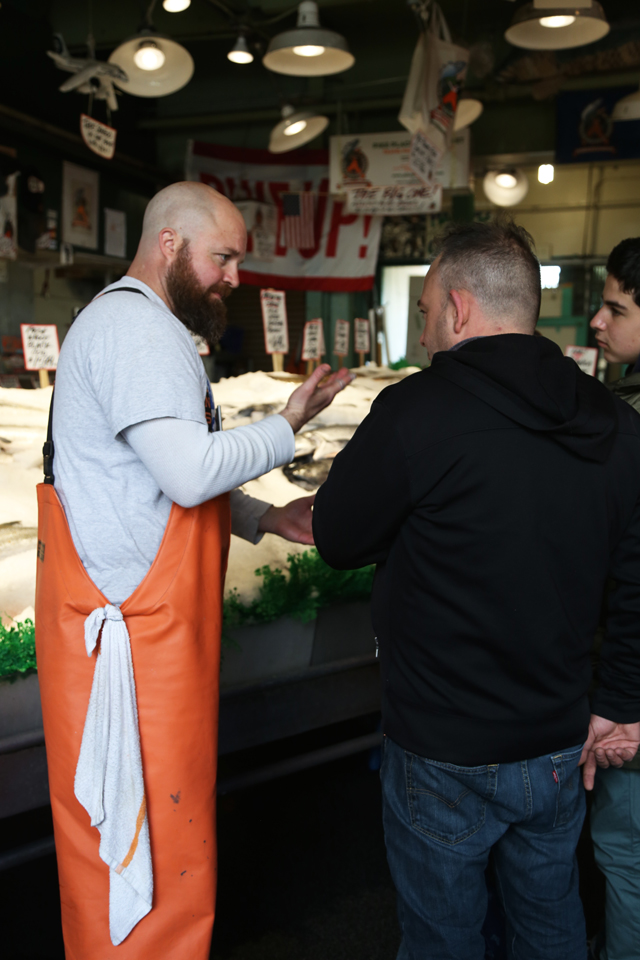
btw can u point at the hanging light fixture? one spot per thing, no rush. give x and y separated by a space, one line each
505 188
628 108
175 6
467 112
296 128
240 52
546 173
155 65
309 50
552 25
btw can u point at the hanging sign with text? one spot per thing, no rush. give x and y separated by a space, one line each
41 346
345 250
424 159
274 321
99 137
585 357
341 338
362 336
394 201
313 340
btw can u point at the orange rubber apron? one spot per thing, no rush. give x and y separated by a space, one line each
174 619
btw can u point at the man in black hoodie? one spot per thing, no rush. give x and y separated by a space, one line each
496 492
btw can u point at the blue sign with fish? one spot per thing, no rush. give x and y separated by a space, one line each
586 132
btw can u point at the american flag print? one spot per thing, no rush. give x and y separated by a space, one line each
299 221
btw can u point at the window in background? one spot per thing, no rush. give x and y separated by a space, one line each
396 282
550 277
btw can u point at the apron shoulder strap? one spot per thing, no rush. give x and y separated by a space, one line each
48 449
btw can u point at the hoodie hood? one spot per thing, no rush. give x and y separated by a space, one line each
529 380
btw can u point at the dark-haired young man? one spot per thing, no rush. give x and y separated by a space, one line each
496 491
615 814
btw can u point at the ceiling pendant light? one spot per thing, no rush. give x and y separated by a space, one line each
240 52
546 173
505 188
309 50
542 25
175 6
156 65
296 128
628 108
467 112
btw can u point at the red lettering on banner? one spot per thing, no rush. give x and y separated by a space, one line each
367 226
213 181
319 215
337 221
231 188
276 190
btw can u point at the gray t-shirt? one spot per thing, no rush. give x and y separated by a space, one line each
125 359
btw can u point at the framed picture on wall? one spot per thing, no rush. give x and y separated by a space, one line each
80 198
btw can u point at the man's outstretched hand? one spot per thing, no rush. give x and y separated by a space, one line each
309 399
608 744
293 522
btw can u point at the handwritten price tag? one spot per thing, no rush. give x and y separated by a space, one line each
362 336
424 158
41 346
341 338
274 321
313 340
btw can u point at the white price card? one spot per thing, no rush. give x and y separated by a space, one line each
394 201
313 340
585 357
424 158
41 346
202 346
99 137
362 336
341 338
274 321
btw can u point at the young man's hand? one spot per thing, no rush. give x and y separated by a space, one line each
293 521
608 744
309 399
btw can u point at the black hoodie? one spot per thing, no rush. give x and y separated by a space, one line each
496 491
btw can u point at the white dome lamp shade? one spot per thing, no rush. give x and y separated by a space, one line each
156 65
628 108
296 128
467 112
309 50
561 27
505 188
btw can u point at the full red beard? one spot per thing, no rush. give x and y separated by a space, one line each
194 304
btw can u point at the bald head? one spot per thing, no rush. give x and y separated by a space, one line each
190 209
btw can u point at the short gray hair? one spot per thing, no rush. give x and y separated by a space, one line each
495 262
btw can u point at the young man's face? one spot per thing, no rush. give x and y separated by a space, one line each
617 324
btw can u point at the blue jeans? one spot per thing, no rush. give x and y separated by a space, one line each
615 831
441 822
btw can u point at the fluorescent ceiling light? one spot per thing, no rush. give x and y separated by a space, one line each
175 6
240 52
296 128
149 56
571 26
175 71
546 173
505 188
309 50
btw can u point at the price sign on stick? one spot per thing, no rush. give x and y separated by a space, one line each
312 343
274 322
41 348
362 338
341 340
585 357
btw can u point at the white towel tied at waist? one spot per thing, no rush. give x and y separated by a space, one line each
109 782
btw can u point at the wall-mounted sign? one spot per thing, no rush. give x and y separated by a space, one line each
395 201
362 335
80 206
115 233
41 346
585 131
312 340
585 357
99 137
341 338
371 160
274 321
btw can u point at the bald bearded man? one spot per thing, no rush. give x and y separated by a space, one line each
135 515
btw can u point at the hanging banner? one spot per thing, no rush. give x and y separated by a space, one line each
313 340
362 338
395 201
586 132
424 158
345 249
371 160
341 338
274 321
99 137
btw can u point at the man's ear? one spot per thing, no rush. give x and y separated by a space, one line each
459 300
169 242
